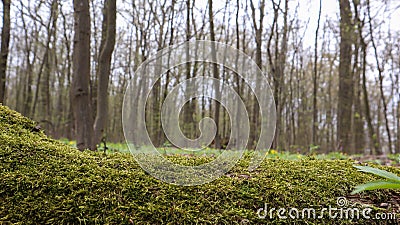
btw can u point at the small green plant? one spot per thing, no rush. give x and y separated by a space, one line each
313 149
167 144
392 180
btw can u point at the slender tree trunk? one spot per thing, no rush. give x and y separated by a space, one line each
167 77
272 71
398 127
27 95
80 92
378 126
380 76
42 82
291 124
329 115
47 70
345 101
357 124
254 132
280 68
374 142
110 12
315 76
237 77
156 90
277 65
398 108
187 117
217 144
69 124
5 43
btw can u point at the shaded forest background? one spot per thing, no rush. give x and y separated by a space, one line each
67 64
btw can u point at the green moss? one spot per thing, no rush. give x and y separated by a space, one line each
47 182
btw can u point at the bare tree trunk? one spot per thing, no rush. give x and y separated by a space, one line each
109 18
254 133
81 76
237 77
5 43
331 136
277 64
374 142
156 110
44 81
47 70
70 126
291 123
357 121
162 136
396 89
398 109
27 94
315 76
188 111
398 127
280 61
345 101
380 74
273 71
378 126
217 144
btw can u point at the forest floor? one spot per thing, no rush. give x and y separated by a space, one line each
392 160
47 182
385 160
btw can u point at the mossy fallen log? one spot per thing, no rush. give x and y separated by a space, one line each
46 182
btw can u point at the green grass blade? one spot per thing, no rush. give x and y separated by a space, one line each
373 185
379 172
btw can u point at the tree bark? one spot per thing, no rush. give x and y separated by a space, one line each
345 101
109 19
188 111
5 43
80 93
156 90
380 76
254 133
217 143
28 50
277 64
315 76
357 121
